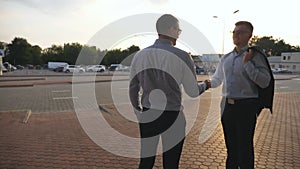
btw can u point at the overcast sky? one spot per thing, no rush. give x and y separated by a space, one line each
47 22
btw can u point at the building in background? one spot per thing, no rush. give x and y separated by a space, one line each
206 63
288 60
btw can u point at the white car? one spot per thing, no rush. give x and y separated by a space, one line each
96 68
3 68
119 67
73 69
280 70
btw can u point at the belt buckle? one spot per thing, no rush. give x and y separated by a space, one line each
230 101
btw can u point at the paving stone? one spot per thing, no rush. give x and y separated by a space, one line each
57 140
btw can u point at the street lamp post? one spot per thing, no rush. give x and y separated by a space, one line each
223 33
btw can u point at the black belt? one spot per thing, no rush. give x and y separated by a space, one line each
238 101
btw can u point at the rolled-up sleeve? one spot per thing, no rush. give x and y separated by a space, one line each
218 76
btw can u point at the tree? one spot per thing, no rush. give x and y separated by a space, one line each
88 56
71 52
53 54
117 56
19 52
35 55
112 57
101 54
272 46
127 54
2 44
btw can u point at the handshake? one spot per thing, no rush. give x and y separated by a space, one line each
203 86
208 84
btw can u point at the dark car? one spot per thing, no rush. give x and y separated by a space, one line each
30 66
38 67
114 67
200 70
59 69
19 67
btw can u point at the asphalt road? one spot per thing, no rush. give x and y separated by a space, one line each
60 97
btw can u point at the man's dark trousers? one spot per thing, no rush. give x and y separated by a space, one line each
170 126
239 121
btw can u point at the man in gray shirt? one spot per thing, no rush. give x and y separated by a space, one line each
158 73
241 72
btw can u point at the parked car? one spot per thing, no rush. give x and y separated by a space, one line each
96 68
119 67
280 70
73 69
124 68
59 69
9 67
20 67
114 67
38 67
13 68
30 66
3 68
200 70
53 65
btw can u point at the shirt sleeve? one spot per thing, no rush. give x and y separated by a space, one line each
189 80
134 87
258 71
218 76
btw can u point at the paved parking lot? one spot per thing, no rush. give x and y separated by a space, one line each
57 140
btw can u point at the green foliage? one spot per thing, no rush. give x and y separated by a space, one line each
2 45
273 47
20 52
88 56
128 55
35 55
70 52
53 54
117 56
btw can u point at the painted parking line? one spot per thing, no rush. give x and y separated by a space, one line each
283 87
60 91
64 98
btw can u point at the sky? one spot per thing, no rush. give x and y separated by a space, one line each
48 22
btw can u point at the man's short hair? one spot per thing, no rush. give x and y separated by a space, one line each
246 23
165 22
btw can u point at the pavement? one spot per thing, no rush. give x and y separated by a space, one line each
30 79
13 79
57 140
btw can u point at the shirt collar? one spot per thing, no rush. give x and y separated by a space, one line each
242 50
163 41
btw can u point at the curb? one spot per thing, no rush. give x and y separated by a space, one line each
31 84
57 82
